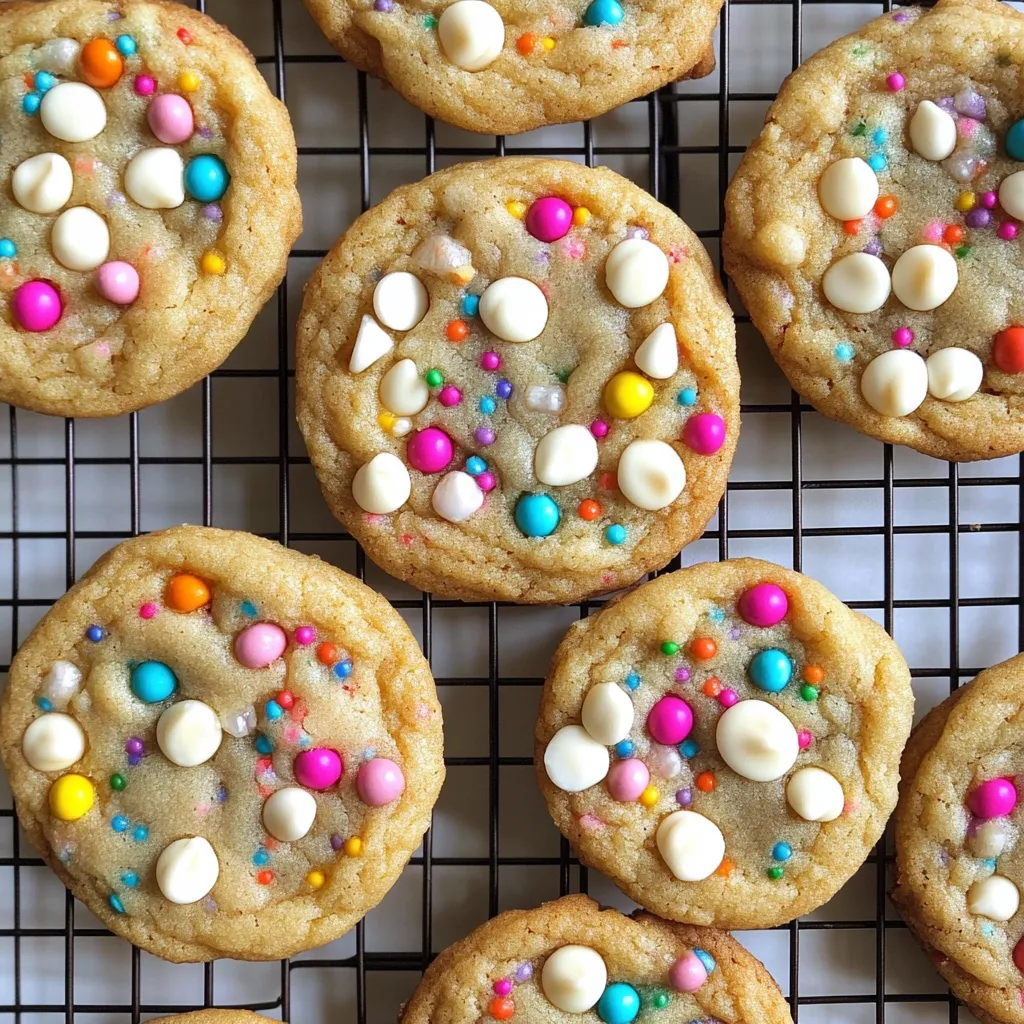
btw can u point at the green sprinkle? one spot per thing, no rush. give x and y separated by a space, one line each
563 375
117 782
660 1000
860 50
434 378
962 251
429 21
859 128
809 692
669 648
775 873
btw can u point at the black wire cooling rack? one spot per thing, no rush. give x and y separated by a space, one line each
663 150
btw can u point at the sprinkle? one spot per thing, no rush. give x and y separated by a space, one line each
636 232
213 212
222 795
524 972
115 902
145 85
682 674
852 227
895 81
134 746
782 851
599 428
844 352
706 782
8 250
727 698
804 739
475 465
148 610
188 81
503 987
470 305
650 796
712 687
486 482
706 959
689 748
688 396
450 395
932 232
141 834
353 846
264 877
30 103
858 128
273 710
487 405
503 389
624 748
902 337
873 248
962 252
1007 232
516 209
304 635
880 137
775 872
336 842
185 36
125 46
632 680
886 206
615 534
548 43
669 647
484 436
979 218
490 361
263 745
900 16
119 823
684 796
525 43
456 330
434 378
130 879
260 857
429 22
877 162
581 214
117 782
212 263
316 879
343 669
94 634
44 81
44 704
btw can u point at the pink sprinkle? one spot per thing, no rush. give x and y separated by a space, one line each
591 822
407 538
102 349
424 711
148 610
849 807
574 249
682 674
292 734
804 739
1007 232
486 482
989 200
145 85
373 518
902 337
896 81
678 253
727 698
203 810
450 395
305 635
490 361
933 232
503 987
599 428
966 126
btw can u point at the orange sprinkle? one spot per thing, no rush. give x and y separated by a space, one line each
813 674
326 654
501 1008
85 165
100 63
712 687
457 331
589 509
186 593
953 235
703 648
618 44
852 227
725 868
705 782
886 206
265 877
607 481
29 80
525 43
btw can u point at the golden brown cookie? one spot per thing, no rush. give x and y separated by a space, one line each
572 960
724 742
509 66
213 1016
873 229
222 747
517 380
149 201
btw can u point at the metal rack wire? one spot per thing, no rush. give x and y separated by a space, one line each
663 150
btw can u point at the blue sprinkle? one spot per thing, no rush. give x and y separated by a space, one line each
115 902
688 396
689 748
260 857
487 405
94 633
125 45
470 305
130 879
706 959
119 823
503 389
877 162
716 615
880 137
343 669
273 710
844 352
249 609
30 103
369 753
263 744
44 81
222 795
44 704
8 250
615 534
141 833
624 748
632 680
987 929
475 465
603 12
990 863
782 851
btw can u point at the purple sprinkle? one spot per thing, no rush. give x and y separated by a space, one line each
222 795
382 5
684 796
900 16
979 217
873 248
970 104
503 389
637 233
682 674
134 746
524 972
484 435
213 212
337 842
734 633
946 103
206 132
115 198
113 16
134 759
944 858
543 256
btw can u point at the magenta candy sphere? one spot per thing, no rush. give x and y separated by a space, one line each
145 85
379 782
260 645
549 219
705 433
763 605
36 305
305 635
670 720
450 395
627 779
118 282
993 799
486 482
429 450
170 119
318 768
687 974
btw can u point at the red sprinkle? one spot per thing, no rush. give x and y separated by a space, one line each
185 36
265 877
286 699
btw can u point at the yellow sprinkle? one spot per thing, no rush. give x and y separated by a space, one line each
353 846
463 275
649 797
516 208
212 263
580 216
316 879
548 43
387 420
188 81
965 201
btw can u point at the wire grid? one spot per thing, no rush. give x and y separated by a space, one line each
664 111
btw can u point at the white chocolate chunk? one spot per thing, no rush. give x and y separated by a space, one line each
636 272
989 840
289 813
53 742
565 455
80 239
815 795
62 681
43 183
456 497
756 740
691 845
155 178
402 390
187 870
607 713
370 345
857 283
574 760
954 374
847 189
545 397
73 112
400 300
658 354
440 254
58 55
513 308
189 733
239 723
895 383
651 475
995 897
573 978
924 277
932 131
383 485
1011 194
471 34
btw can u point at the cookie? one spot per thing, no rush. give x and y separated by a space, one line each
510 67
149 206
724 742
213 1017
570 959
959 861
517 380
872 229
223 748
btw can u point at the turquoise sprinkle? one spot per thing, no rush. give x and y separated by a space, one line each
987 929
119 823
615 534
688 396
343 669
706 959
30 103
125 45
487 405
260 857
470 305
263 744
716 615
845 352
130 879
115 902
782 851
43 704
632 681
877 162
990 863
475 465
141 834
44 81
8 250
880 137
689 748
273 710
624 748
249 609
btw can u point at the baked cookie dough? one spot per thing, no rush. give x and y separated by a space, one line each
959 860
149 206
571 960
223 748
517 380
214 1017
724 742
873 229
512 66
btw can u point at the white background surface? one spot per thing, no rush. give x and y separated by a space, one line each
837 532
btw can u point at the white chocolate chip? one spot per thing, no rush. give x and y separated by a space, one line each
954 374
471 34
574 761
756 740
658 354
400 300
58 55
73 112
1011 194
815 795
80 239
187 870
62 681
402 390
42 183
155 178
989 840
573 978
53 742
545 397
895 383
239 723
691 845
636 272
651 475
847 189
370 345
607 713
857 283
189 733
382 486
932 131
565 455
924 277
289 813
995 897
456 497
514 309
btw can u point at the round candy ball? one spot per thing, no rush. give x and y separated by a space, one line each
1018 955
71 796
118 282
36 305
995 798
619 1004
687 974
100 64
429 450
260 645
379 781
670 720
603 12
536 515
152 682
1008 350
704 433
627 779
318 768
170 119
771 670
763 605
549 219
186 593
206 178
1015 141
